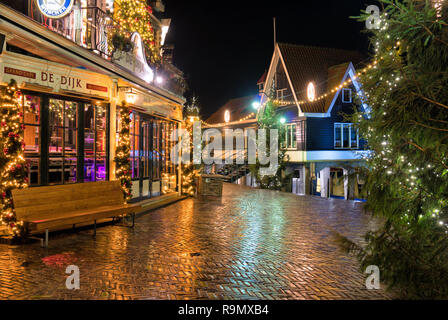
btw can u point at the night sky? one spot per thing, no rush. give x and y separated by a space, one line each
224 47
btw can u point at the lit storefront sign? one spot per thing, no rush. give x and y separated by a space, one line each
55 9
58 79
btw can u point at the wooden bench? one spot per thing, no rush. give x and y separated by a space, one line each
52 208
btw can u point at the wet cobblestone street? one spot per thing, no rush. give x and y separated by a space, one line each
251 244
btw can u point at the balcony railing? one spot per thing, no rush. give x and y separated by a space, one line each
93 29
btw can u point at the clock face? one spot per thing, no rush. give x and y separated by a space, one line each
311 91
55 9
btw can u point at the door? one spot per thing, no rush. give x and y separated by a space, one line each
298 183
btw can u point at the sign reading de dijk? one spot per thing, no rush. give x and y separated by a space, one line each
57 81
69 82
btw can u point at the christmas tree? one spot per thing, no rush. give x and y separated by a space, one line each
12 160
135 16
123 152
269 119
406 126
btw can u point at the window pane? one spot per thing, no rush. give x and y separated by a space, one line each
70 168
56 109
32 110
337 136
89 169
63 144
55 171
156 152
353 138
101 166
345 136
293 136
101 143
31 138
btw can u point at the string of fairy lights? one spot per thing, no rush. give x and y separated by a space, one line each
123 152
135 16
333 90
12 141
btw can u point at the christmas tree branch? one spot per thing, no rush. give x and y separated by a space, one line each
429 100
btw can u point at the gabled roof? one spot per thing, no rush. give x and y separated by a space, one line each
324 66
238 107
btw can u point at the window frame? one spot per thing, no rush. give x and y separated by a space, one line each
350 127
281 92
292 137
343 95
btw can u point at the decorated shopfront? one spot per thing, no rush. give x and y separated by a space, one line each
71 98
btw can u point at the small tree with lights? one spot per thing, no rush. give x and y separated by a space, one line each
269 119
406 128
123 152
12 160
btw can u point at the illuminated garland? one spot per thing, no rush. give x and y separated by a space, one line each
123 152
12 160
333 90
135 16
189 170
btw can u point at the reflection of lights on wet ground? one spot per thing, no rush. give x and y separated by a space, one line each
59 260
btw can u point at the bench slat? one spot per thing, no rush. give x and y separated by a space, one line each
68 200
56 207
76 218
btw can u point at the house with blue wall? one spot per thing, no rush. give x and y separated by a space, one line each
314 88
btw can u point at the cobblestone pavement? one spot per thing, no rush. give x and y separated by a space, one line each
251 244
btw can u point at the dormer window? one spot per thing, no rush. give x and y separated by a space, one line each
347 95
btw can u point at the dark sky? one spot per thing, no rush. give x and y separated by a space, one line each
224 46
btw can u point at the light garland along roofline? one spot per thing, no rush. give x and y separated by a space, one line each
334 90
246 119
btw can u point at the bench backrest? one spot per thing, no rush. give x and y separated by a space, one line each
42 202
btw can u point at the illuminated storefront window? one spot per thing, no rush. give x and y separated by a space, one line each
95 143
151 145
65 141
63 144
31 120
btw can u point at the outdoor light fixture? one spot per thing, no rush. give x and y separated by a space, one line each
311 91
282 120
159 79
227 116
256 105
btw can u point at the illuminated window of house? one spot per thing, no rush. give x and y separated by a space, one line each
345 136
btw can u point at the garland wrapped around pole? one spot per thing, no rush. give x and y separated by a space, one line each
123 152
190 171
12 160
